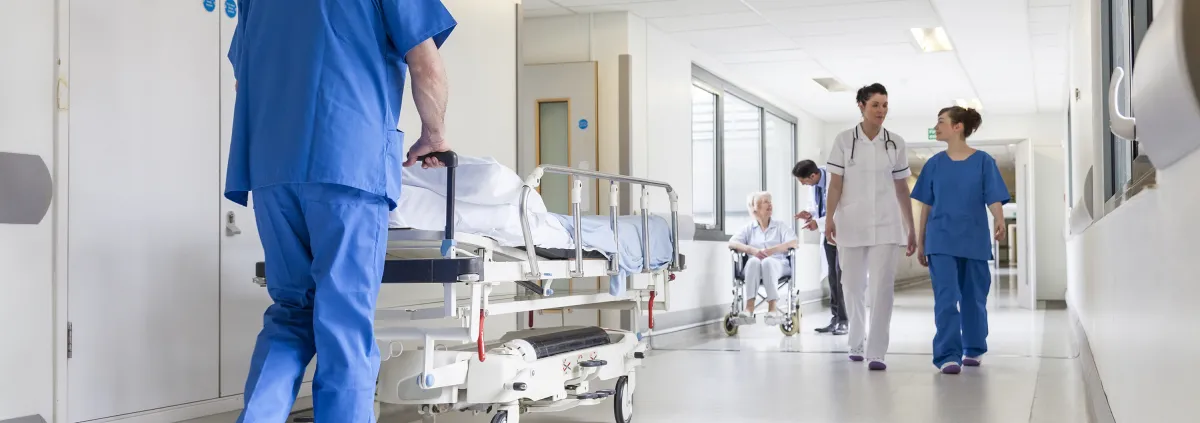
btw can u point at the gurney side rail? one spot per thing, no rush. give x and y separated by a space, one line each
534 179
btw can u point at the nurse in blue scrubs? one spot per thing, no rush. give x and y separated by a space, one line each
958 187
315 140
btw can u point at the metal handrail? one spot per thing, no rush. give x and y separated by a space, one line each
534 179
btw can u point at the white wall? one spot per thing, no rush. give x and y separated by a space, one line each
1132 274
480 121
1045 132
26 298
661 108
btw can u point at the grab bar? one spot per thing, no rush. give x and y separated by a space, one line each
534 179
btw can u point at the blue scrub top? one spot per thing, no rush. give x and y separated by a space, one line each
320 84
958 193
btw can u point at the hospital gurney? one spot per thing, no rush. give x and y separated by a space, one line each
533 370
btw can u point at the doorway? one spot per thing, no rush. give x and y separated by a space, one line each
559 127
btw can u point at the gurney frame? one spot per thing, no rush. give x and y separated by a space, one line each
452 258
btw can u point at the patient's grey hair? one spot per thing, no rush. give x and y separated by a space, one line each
754 198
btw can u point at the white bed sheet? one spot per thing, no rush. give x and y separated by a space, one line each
486 196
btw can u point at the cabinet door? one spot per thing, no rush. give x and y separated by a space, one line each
142 164
242 302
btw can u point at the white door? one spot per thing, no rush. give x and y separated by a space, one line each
242 301
558 126
142 248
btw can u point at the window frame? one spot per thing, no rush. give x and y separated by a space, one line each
1118 186
707 81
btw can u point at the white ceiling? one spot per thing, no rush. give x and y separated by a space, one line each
1010 54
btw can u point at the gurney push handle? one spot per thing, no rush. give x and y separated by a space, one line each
450 160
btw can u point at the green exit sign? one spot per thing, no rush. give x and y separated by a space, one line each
932 134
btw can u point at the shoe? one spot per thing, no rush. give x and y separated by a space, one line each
877 365
841 329
972 361
951 368
772 318
856 357
831 328
745 318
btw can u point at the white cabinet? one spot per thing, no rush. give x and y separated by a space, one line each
143 165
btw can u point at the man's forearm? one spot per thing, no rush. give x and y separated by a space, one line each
430 86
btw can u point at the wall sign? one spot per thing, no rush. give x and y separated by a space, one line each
932 134
210 5
583 124
231 8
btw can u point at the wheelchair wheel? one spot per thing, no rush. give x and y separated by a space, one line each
730 324
791 326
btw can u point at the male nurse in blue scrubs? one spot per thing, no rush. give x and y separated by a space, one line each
315 139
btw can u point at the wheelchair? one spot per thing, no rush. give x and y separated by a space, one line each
788 304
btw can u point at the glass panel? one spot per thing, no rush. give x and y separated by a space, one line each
553 143
1122 39
742 159
704 157
780 183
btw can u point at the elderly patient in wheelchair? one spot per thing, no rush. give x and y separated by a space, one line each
766 242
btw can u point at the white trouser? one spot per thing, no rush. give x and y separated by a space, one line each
766 271
879 262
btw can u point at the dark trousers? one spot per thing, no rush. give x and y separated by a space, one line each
837 301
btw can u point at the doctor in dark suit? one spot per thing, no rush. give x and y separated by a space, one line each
808 173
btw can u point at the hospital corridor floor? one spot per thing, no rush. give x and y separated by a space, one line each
1031 374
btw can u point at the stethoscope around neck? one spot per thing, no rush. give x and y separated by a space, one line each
887 141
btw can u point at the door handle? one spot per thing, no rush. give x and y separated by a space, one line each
1120 125
231 227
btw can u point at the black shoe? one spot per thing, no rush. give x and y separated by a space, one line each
831 328
841 329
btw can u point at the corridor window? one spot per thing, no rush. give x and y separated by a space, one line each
740 144
780 157
743 166
704 157
1124 24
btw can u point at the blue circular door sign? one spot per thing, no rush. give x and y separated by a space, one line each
230 8
210 5
583 124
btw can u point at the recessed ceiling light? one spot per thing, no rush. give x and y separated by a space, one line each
932 40
832 85
973 103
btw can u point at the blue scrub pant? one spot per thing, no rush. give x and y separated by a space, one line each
960 290
324 248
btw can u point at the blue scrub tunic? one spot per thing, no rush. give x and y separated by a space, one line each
958 243
320 84
959 193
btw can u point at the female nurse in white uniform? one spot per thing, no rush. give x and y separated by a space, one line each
870 220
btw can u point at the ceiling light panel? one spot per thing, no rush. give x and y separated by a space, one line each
932 40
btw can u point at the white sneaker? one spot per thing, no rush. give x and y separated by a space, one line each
772 318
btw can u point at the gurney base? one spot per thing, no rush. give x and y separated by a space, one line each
507 380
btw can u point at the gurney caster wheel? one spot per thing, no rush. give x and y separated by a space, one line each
500 417
623 401
730 324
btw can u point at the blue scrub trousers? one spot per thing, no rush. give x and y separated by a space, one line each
324 248
960 290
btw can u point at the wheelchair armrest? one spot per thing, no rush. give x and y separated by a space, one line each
739 263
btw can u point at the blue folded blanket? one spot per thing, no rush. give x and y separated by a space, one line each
597 234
